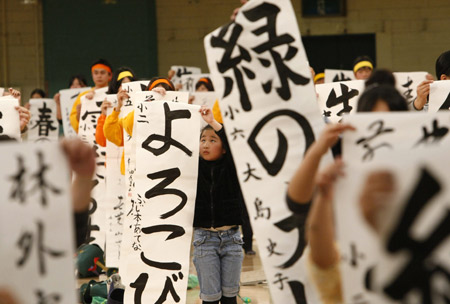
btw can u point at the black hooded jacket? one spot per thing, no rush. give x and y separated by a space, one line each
219 198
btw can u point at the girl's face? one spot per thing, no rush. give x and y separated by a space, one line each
211 146
381 106
202 88
76 83
363 73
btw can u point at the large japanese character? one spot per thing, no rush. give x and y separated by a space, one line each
270 12
434 136
333 100
176 232
277 163
167 139
18 190
141 282
1 128
446 104
365 141
287 225
408 91
341 77
416 275
52 298
42 183
169 176
25 244
44 123
234 63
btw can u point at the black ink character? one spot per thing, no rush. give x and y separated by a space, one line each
142 280
341 77
260 210
237 132
249 173
287 225
280 280
169 176
355 256
52 298
417 274
18 190
176 232
25 244
41 182
234 63
1 128
230 112
44 123
270 12
275 166
271 248
434 136
333 100
407 85
370 153
167 139
446 104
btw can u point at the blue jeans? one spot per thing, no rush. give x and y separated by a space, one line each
218 259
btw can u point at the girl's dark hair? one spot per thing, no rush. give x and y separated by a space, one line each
38 91
81 80
167 87
384 92
115 84
206 81
443 65
381 76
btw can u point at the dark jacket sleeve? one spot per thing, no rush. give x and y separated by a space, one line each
81 227
298 209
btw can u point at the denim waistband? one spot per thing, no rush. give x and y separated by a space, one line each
230 231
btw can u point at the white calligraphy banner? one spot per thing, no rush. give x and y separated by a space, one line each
378 137
137 98
67 99
2 90
9 117
439 96
339 98
189 81
183 70
268 102
407 82
89 114
135 86
36 224
332 75
154 216
43 125
392 263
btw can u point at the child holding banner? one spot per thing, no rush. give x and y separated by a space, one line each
362 67
101 75
423 89
217 241
121 75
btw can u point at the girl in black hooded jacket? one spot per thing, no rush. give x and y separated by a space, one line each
217 240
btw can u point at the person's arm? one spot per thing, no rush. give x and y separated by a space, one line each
113 128
57 99
320 226
75 112
423 90
81 158
99 135
301 186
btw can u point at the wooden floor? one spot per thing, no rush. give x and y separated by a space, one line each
253 284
